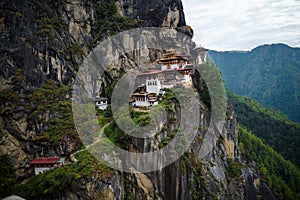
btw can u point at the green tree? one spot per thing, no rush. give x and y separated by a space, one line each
274 128
281 175
7 180
109 21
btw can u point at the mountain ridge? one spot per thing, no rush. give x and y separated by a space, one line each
274 128
269 74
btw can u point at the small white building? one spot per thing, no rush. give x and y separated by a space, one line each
153 86
43 164
144 100
101 103
185 75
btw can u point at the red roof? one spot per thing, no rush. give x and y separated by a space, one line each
43 160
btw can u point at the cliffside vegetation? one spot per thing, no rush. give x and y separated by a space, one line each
7 179
51 107
274 128
142 117
58 182
280 174
109 22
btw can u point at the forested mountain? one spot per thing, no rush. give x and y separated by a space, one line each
279 174
269 74
264 136
274 128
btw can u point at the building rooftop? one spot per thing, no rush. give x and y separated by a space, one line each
140 94
151 72
44 160
171 55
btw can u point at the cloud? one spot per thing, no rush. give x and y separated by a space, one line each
243 24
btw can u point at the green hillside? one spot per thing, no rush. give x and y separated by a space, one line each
274 128
269 74
280 175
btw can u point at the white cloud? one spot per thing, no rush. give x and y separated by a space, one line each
243 24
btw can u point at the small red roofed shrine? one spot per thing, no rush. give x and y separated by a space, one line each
42 164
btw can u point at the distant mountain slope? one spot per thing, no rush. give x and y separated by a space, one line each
269 74
280 175
271 126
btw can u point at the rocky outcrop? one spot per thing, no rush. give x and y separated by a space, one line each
39 41
158 13
10 146
145 183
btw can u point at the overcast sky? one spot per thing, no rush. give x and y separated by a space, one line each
243 24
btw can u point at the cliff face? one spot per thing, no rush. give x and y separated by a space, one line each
48 40
45 40
39 41
156 13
